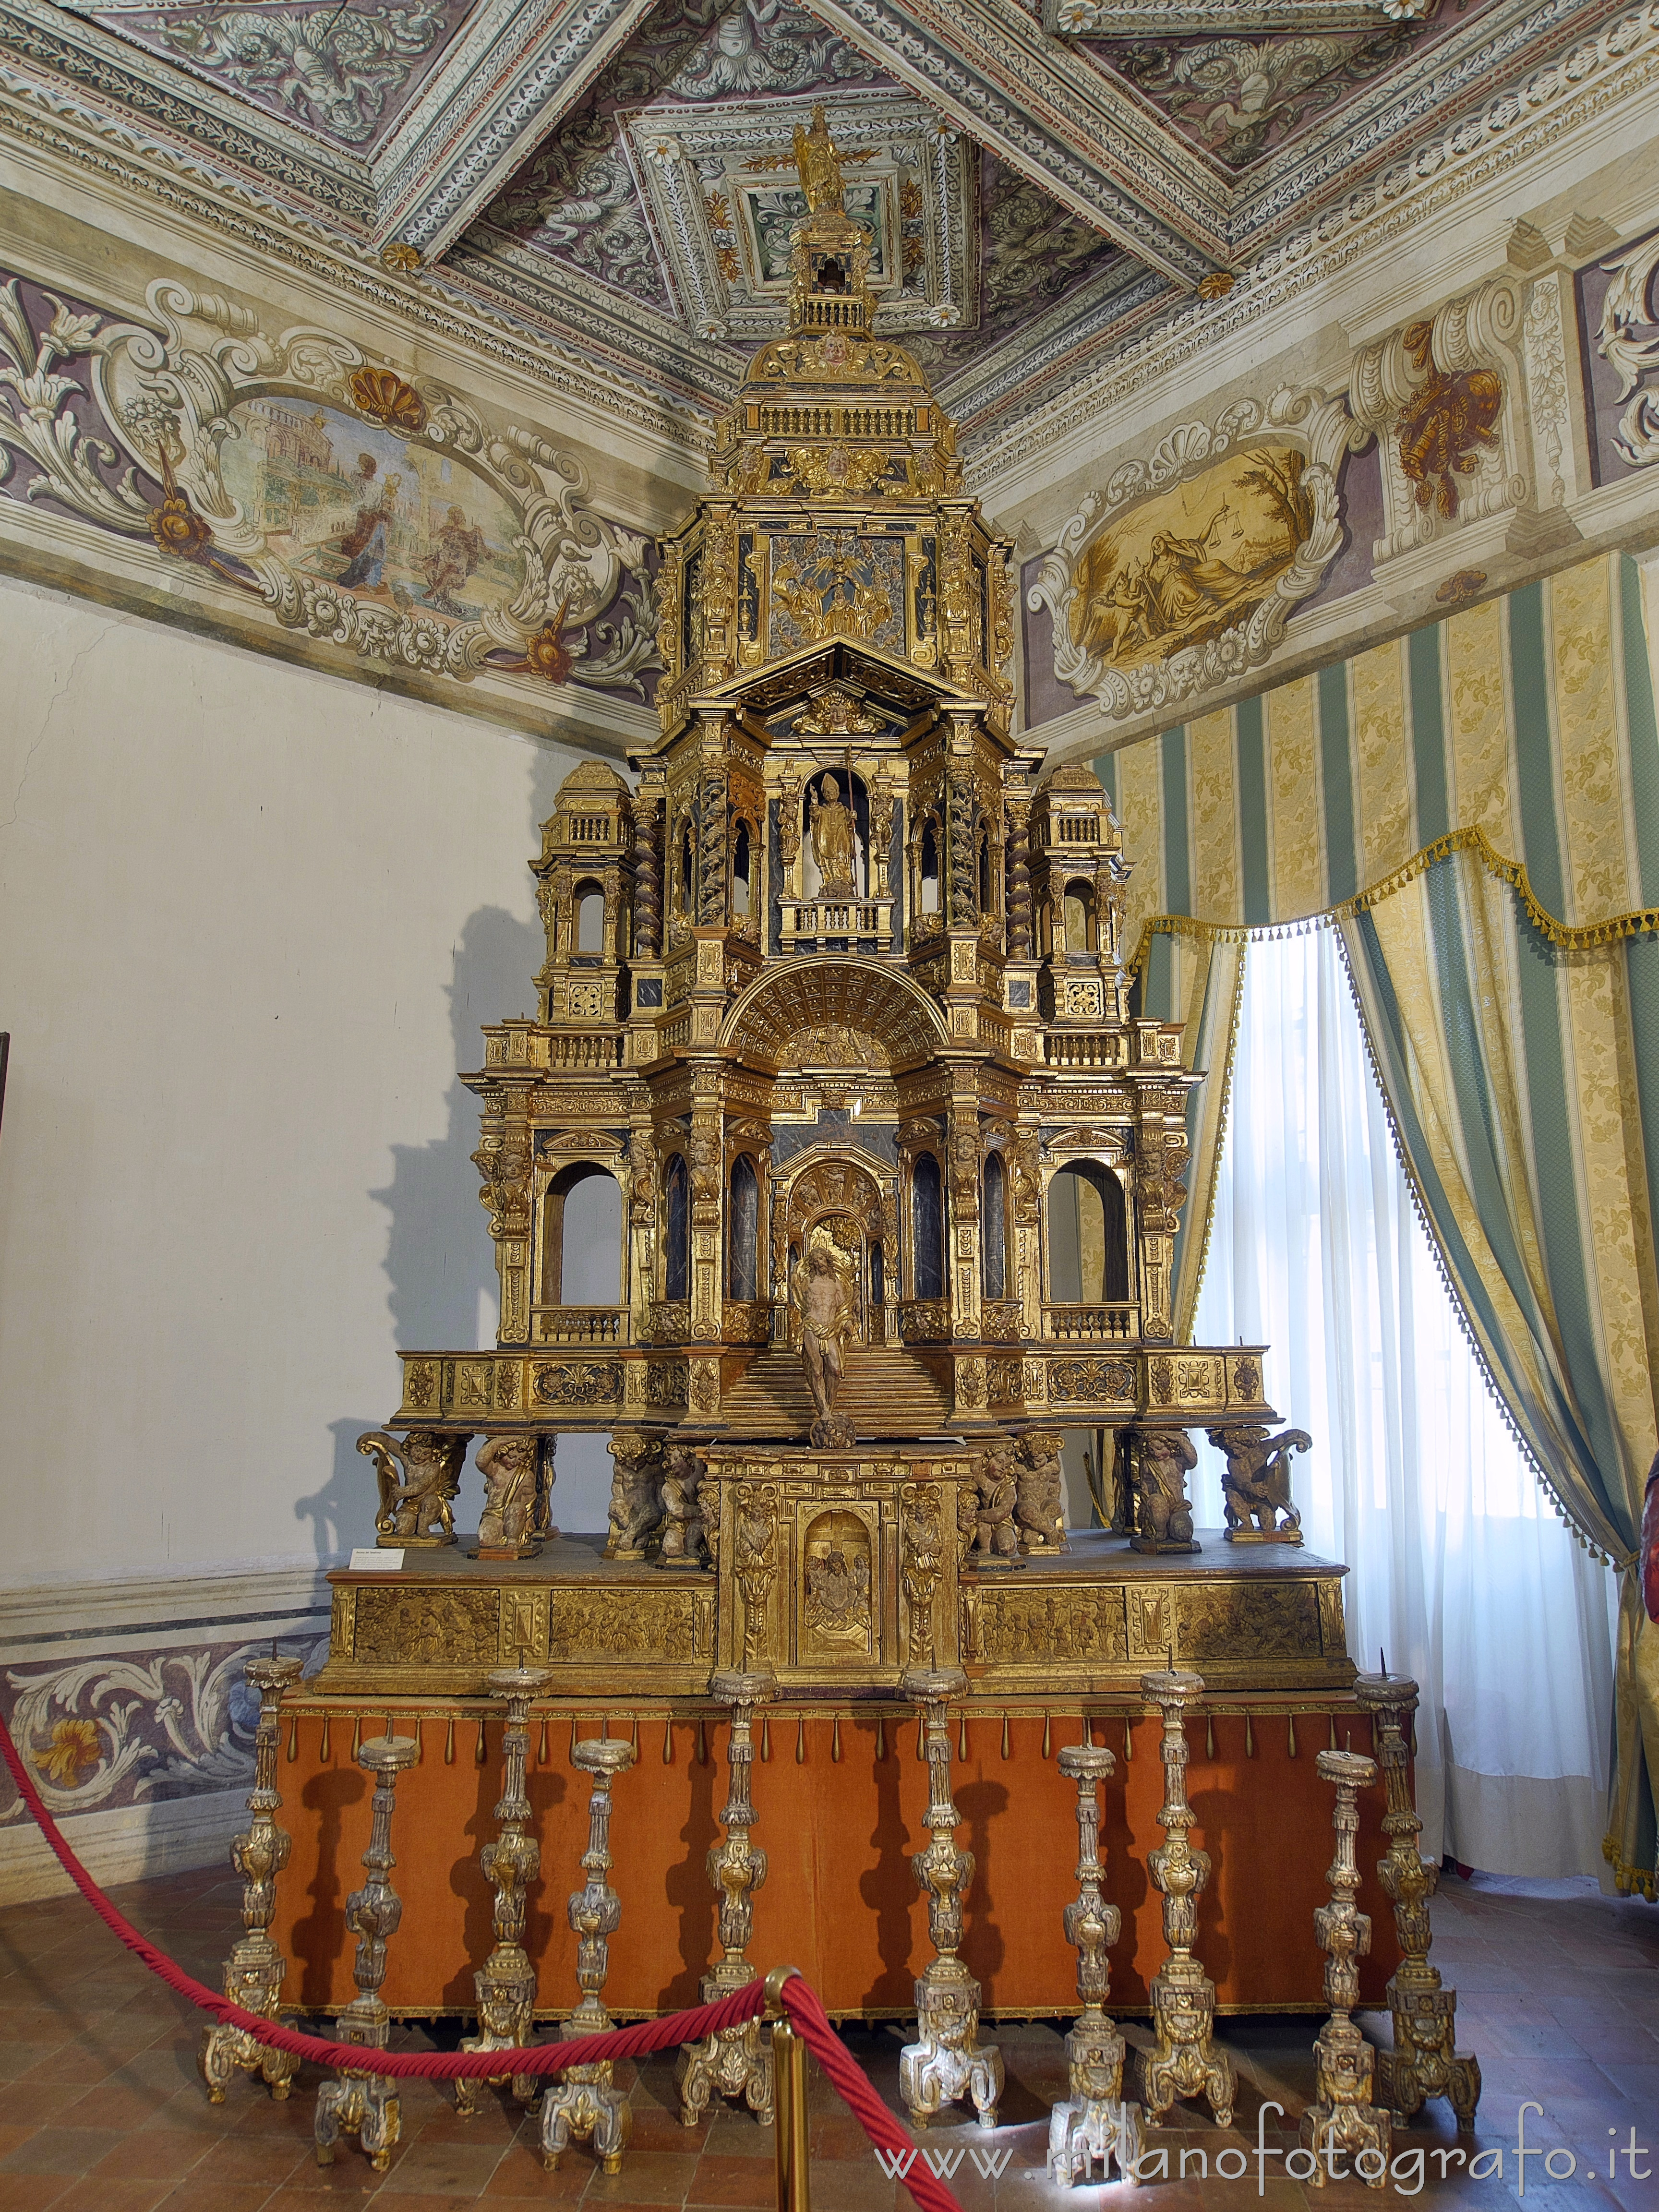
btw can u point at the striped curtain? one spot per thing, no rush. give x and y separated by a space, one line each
1476 807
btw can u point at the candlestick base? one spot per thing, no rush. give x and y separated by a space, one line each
1344 2119
947 2062
1426 2061
1095 2125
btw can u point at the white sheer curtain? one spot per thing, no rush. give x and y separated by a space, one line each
1457 1562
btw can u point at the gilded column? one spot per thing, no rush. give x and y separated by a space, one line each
362 2102
1342 2117
505 1985
581 2101
1426 2061
1095 2123
256 1969
1185 2061
736 2061
947 2062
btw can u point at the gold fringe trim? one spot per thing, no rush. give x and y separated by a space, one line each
1630 1881
1473 839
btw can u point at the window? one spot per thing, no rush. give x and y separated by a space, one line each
589 918
927 1227
742 849
927 870
1088 1237
677 1240
993 1229
582 1238
1079 917
742 1230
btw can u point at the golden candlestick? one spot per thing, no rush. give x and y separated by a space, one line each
364 2103
505 1985
736 2062
255 1971
1426 2061
1095 2123
582 2101
1185 2063
1343 2117
947 2061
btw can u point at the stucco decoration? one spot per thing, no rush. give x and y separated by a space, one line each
391 520
1445 396
1182 571
348 73
1627 311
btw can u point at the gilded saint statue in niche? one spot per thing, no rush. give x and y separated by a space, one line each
834 840
826 1298
1178 569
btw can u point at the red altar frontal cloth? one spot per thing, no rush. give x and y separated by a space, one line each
838 1825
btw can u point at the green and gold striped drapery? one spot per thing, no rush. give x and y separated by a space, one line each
1476 807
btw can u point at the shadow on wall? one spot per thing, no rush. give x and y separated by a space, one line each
439 1261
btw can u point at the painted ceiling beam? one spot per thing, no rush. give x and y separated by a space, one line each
1217 19
484 118
1045 110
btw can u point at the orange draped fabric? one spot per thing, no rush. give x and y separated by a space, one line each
840 1901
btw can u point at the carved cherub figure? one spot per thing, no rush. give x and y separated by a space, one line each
1040 1497
635 1495
419 1475
510 1465
995 1540
682 1531
1165 1516
1257 1485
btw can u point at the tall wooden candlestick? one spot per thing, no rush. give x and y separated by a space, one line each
947 2062
1095 2123
364 2103
1343 2117
736 2062
1426 2061
582 2101
505 1985
1185 2061
256 1969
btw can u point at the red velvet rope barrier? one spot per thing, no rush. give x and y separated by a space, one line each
806 2015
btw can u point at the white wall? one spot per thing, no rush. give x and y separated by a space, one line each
250 919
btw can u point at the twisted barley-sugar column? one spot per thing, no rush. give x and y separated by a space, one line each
362 2102
1095 2123
1185 2061
947 2062
583 2102
1342 2117
505 1986
256 1969
736 2062
1426 2061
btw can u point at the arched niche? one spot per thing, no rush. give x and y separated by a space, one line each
927 1227
588 898
677 1230
743 1232
1077 916
745 863
818 794
582 1237
1088 1237
993 1228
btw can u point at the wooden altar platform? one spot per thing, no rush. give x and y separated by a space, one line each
839 1791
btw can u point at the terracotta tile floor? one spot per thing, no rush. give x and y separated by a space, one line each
101 2110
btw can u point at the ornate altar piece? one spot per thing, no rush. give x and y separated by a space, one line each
834 1180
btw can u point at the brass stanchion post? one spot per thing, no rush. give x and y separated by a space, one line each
791 2132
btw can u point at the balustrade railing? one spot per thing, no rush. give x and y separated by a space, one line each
851 919
1069 1322
581 1324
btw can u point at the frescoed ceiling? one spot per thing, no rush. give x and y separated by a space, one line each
611 179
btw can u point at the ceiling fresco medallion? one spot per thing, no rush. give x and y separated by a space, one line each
724 197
